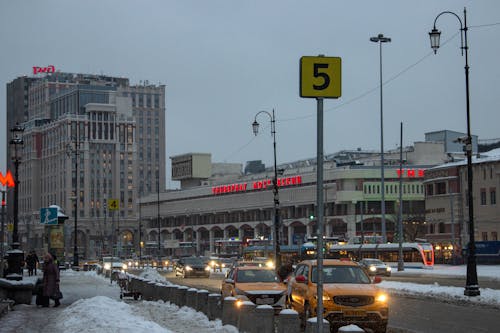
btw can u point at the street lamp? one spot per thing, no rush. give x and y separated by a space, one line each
76 152
381 39
471 286
276 224
15 256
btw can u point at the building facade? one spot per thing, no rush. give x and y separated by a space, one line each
243 208
93 144
447 213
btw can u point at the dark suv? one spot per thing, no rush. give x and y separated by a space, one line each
192 266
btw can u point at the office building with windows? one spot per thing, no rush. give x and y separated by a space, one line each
89 141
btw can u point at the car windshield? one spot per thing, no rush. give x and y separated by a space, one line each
194 261
373 262
256 275
341 274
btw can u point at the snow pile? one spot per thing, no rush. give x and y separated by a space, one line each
95 315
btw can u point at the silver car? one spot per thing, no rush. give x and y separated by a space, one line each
375 267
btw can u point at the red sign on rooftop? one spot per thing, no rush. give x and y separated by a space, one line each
48 69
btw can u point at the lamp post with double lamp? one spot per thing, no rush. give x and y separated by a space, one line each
276 204
15 256
471 286
381 39
76 152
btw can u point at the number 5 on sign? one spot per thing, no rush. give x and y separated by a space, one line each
320 77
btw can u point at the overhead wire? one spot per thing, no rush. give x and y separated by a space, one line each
369 91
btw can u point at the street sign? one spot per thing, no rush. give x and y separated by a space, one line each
48 216
113 204
320 77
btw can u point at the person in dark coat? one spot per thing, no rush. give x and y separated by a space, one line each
50 279
31 261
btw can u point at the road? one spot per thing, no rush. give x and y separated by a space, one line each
409 314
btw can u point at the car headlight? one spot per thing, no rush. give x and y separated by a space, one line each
325 297
107 265
373 269
270 264
188 268
223 265
381 298
207 268
124 266
389 269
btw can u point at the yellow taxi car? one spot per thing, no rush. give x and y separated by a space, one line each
259 285
349 295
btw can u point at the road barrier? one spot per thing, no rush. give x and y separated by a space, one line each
191 297
229 312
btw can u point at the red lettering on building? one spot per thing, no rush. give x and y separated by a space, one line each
411 173
48 69
256 185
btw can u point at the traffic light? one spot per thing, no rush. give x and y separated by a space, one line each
311 217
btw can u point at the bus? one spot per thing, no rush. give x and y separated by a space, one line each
287 252
308 249
415 255
226 248
487 252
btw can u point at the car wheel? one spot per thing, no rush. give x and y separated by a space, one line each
381 329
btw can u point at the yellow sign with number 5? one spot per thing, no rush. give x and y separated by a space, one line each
320 77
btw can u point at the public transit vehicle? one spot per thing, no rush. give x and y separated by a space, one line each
415 255
349 295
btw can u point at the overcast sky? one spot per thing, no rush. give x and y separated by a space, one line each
222 61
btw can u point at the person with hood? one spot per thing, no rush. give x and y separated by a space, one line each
50 280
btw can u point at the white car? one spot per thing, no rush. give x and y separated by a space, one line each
113 263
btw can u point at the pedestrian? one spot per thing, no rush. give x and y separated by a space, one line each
50 280
31 261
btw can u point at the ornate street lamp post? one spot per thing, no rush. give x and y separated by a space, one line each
15 255
471 287
381 39
276 223
76 152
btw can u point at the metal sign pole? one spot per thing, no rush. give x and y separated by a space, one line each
319 213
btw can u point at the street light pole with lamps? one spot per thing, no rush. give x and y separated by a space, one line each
276 223
381 39
76 152
15 255
471 287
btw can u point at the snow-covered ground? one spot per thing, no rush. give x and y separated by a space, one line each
105 312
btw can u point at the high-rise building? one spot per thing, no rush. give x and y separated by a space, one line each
93 145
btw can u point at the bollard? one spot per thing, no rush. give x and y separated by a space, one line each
150 291
214 309
311 325
246 316
191 297
229 312
263 319
202 301
170 293
181 293
162 292
288 321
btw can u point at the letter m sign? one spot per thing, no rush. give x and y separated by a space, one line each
7 180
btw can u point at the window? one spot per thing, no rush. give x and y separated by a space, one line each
430 189
484 235
483 197
494 236
493 196
441 188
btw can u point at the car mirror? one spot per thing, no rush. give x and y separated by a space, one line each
231 281
301 279
377 279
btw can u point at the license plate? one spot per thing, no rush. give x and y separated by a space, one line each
264 301
354 313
